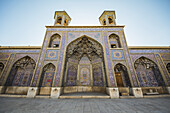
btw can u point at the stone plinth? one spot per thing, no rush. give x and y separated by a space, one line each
113 92
2 89
56 92
137 92
168 88
32 91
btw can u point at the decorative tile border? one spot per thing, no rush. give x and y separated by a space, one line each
112 82
150 51
37 71
61 58
129 61
6 69
84 29
163 68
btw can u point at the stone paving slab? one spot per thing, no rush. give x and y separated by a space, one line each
37 105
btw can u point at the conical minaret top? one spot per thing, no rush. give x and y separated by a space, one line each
61 18
108 18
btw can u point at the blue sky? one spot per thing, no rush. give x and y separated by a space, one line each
147 22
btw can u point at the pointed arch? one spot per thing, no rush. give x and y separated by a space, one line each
54 41
84 52
47 75
122 76
1 67
114 41
148 72
21 72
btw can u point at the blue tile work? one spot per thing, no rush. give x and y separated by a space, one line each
51 55
117 55
85 29
95 35
6 69
165 56
129 61
19 56
112 82
163 68
149 56
150 51
4 56
61 58
37 71
19 51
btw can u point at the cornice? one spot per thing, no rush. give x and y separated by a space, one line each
20 47
117 26
149 47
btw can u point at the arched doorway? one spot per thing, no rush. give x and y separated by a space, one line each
46 79
122 76
84 64
148 73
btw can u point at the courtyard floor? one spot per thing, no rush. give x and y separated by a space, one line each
38 105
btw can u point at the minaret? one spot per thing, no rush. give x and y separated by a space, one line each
61 18
108 18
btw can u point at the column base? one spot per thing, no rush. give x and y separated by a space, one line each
168 88
137 92
32 91
56 92
113 92
2 89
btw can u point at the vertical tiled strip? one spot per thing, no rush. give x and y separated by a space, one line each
129 61
163 68
112 82
60 62
40 60
6 69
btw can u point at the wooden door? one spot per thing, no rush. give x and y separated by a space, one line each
119 79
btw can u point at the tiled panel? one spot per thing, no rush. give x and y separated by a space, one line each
95 35
51 55
117 55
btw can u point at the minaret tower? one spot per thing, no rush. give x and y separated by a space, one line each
61 18
108 18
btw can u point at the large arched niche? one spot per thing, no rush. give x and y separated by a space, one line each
21 72
122 76
148 73
84 63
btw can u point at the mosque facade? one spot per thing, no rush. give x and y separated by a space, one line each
76 59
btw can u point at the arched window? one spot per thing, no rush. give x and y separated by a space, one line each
104 22
47 75
21 72
122 76
114 41
110 20
65 22
59 19
148 73
168 67
55 41
1 67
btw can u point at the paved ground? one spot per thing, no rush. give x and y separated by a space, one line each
27 105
